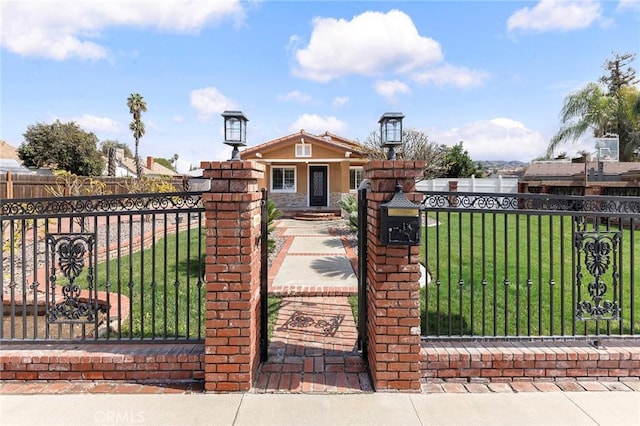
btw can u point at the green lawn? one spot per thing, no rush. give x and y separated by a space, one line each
480 261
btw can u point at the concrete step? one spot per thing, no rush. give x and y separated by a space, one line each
317 216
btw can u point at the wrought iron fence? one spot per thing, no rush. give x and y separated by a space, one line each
530 266
101 268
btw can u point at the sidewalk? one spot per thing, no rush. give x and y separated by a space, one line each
557 408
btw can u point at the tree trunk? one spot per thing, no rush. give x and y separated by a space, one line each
137 161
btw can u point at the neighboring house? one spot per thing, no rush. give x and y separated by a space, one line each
10 162
8 152
126 167
309 172
601 178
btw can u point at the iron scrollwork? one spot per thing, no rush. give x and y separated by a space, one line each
102 204
600 250
71 253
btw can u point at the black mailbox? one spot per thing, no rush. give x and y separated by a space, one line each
400 221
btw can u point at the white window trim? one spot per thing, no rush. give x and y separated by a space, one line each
302 153
295 178
354 168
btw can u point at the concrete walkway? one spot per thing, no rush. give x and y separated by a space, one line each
557 408
314 343
313 261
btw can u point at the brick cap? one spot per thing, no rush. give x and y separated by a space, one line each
232 165
395 164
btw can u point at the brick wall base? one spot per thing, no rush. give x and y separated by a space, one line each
530 361
135 363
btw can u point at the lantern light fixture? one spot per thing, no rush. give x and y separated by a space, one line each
235 131
391 132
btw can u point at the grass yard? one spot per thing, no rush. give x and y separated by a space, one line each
524 266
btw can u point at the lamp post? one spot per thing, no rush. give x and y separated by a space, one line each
235 131
391 132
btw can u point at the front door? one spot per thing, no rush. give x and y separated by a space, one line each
318 186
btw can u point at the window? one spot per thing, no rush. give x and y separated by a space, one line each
355 177
303 150
283 179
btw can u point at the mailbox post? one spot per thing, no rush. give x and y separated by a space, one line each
400 221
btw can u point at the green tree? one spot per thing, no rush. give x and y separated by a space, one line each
416 146
458 163
106 144
165 162
174 161
616 111
587 109
620 73
137 105
628 123
63 146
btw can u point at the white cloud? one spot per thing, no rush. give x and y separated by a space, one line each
628 5
295 96
389 89
370 44
183 166
497 139
209 101
450 75
178 118
97 124
316 124
63 29
549 15
340 101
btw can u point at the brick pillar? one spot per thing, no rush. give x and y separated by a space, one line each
232 211
393 287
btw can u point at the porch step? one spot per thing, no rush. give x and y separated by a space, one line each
313 216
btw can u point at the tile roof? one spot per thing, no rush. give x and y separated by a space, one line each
326 138
8 152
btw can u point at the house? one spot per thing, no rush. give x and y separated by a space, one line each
126 167
309 172
591 178
10 162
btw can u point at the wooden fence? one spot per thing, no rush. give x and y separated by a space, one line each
35 186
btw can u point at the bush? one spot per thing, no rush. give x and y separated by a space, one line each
349 204
273 214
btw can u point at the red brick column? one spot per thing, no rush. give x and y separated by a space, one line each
393 287
232 211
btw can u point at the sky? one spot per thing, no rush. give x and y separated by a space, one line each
492 74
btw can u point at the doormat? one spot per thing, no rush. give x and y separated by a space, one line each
315 323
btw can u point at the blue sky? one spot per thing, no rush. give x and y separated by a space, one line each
492 74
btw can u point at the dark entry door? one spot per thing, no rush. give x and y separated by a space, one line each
318 186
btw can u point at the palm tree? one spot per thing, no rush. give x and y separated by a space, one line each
628 125
587 109
137 106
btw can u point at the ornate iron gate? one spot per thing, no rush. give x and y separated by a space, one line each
264 279
362 269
